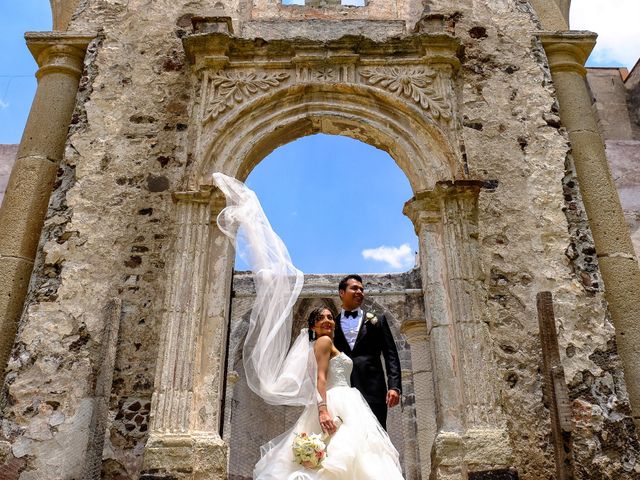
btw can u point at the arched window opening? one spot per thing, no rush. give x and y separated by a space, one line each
337 204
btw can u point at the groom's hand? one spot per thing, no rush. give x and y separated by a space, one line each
393 398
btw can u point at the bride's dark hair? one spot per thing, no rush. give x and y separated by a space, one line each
313 317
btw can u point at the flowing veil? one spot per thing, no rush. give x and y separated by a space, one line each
281 376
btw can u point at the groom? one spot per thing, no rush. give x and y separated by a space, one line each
364 336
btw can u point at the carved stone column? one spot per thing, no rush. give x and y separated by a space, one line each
415 332
184 439
425 212
618 264
60 58
486 443
471 428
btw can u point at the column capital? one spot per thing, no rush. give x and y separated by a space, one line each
426 206
57 52
414 330
568 51
206 194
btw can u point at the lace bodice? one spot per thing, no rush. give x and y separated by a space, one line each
340 368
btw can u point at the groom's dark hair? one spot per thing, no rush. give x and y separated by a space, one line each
343 283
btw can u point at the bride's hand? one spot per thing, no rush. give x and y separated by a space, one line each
326 422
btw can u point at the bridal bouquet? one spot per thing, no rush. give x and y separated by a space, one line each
309 450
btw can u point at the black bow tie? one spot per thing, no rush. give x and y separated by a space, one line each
353 314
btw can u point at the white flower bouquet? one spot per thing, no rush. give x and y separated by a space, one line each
309 450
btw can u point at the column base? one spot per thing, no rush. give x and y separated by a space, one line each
193 456
447 457
458 457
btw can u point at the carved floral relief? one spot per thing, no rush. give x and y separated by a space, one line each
228 89
412 83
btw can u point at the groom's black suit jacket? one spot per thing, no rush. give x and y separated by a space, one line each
367 375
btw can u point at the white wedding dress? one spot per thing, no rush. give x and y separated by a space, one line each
359 450
283 375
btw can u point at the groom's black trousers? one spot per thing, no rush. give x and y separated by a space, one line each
380 411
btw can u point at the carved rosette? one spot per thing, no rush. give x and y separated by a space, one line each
417 84
226 89
325 74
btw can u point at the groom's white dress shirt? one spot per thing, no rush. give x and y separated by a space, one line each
351 326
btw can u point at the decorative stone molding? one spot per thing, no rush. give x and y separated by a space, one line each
188 389
171 401
243 91
568 51
412 83
445 221
420 79
224 90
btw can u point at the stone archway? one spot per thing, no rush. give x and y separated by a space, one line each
398 96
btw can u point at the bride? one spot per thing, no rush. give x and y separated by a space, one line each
312 372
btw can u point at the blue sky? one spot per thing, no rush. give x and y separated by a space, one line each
17 83
336 202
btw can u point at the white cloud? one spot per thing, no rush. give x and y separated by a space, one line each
3 105
616 23
395 257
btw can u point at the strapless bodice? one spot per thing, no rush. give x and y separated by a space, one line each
339 374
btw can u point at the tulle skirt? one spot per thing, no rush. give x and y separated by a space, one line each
359 450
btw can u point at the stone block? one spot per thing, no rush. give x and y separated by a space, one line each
487 449
13 285
24 206
196 457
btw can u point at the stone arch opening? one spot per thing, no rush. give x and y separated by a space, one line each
421 149
239 429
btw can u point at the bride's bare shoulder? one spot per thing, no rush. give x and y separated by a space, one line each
323 344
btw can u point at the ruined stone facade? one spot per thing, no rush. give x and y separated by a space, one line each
124 364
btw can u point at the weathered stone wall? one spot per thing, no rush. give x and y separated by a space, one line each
110 229
7 159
